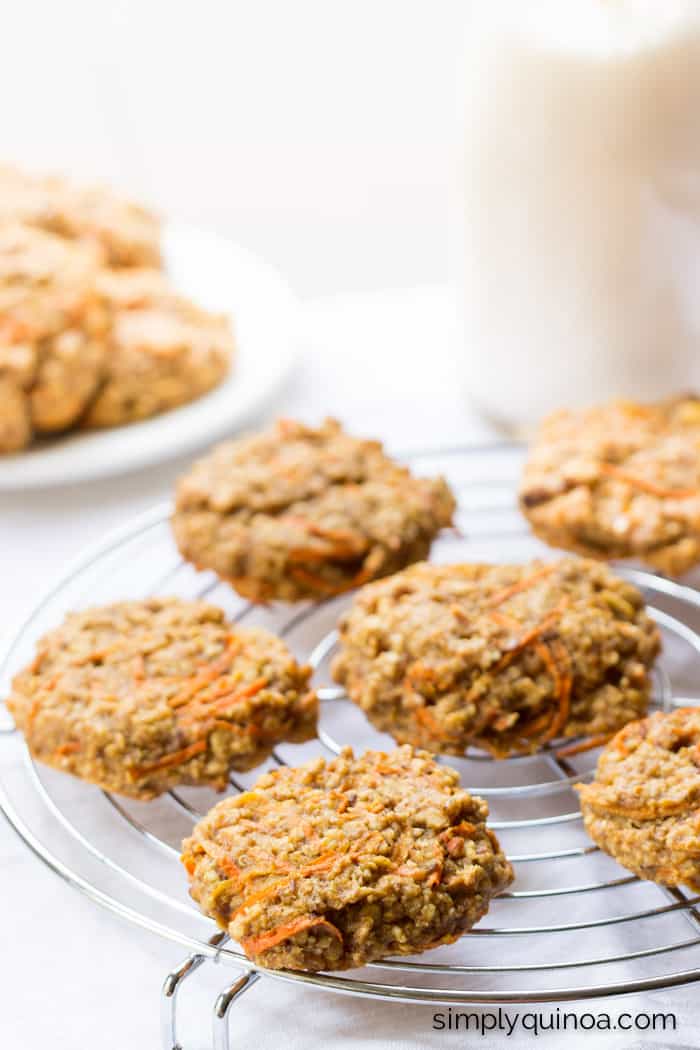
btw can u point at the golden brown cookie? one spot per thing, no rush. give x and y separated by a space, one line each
53 330
164 350
619 481
499 657
140 696
334 864
302 512
126 233
643 808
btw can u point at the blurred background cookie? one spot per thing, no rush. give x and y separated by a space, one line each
619 481
164 350
126 233
83 344
53 330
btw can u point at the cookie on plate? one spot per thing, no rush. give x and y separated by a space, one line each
141 696
126 233
334 864
619 481
164 350
301 512
53 331
499 657
643 808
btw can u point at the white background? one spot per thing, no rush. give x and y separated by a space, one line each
318 132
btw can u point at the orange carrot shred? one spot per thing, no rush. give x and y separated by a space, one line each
268 940
223 701
611 471
210 672
261 895
172 759
522 585
325 586
94 657
69 748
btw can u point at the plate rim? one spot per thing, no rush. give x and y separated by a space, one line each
30 470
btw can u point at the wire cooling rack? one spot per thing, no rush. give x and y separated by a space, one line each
573 926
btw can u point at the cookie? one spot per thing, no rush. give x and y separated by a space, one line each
126 233
138 697
302 512
82 345
164 350
619 481
500 657
334 864
643 808
53 328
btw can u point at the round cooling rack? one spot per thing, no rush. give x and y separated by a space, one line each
573 926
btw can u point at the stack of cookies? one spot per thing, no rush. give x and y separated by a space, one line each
91 332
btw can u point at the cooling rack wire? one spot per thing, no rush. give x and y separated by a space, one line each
574 926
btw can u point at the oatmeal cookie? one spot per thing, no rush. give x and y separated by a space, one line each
619 481
499 657
53 327
334 864
298 512
140 696
643 808
126 233
164 350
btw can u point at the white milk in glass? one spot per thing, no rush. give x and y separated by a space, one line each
579 192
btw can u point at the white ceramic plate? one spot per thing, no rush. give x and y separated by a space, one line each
221 276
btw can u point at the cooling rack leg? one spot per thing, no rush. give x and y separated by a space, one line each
171 987
223 1005
168 1006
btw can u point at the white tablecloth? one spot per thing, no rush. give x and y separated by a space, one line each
74 978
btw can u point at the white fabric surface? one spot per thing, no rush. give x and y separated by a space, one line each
74 978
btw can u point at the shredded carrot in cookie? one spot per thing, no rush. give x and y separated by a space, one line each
265 941
522 585
348 536
425 715
95 657
335 544
611 471
408 872
465 827
529 636
556 659
325 553
259 895
222 664
174 758
190 864
221 701
31 716
138 667
318 583
69 748
36 663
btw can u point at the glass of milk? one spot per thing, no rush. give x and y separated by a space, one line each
579 203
